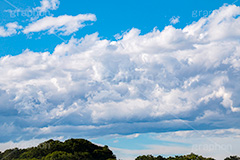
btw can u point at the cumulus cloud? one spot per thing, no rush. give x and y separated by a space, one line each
65 25
10 29
139 83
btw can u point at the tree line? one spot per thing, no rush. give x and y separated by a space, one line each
191 156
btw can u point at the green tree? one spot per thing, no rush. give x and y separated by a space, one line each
232 158
191 156
11 154
146 157
103 153
59 155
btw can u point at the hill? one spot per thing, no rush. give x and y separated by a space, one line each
72 149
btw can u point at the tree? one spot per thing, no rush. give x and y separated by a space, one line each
11 154
191 156
59 155
144 157
232 158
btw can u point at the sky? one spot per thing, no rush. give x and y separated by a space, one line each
143 77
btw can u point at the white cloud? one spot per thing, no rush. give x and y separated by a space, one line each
128 154
139 83
218 144
10 29
174 20
217 26
48 5
64 25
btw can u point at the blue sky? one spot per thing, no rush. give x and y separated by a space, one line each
144 77
113 17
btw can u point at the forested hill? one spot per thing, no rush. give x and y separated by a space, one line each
72 149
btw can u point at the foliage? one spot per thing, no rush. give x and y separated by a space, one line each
149 157
185 157
232 158
72 149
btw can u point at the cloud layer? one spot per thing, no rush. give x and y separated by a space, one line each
175 79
